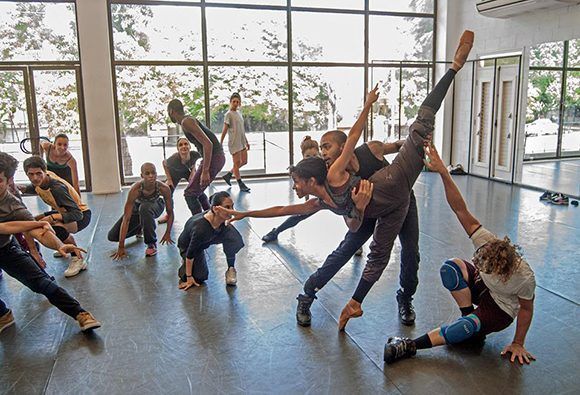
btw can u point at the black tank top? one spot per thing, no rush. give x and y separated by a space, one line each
342 198
217 147
62 170
150 198
368 163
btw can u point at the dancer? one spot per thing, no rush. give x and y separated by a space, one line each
145 202
213 158
237 141
201 231
69 215
309 149
499 281
60 161
368 158
385 198
20 265
179 166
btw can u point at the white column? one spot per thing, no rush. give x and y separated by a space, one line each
97 75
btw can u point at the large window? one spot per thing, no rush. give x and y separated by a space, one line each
296 75
553 111
40 79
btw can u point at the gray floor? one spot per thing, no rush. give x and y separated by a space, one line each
158 339
557 176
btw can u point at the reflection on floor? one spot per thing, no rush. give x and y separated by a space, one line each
158 339
558 175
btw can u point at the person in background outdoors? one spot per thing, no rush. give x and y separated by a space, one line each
237 141
179 166
60 161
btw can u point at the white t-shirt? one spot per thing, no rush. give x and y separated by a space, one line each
236 133
522 283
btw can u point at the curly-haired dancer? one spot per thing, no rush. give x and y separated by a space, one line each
499 281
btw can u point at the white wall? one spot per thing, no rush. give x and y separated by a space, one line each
98 95
494 36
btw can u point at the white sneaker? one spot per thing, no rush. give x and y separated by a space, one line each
231 276
57 254
76 265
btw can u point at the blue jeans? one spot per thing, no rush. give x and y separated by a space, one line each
408 236
20 265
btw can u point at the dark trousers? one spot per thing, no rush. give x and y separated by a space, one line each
408 236
231 241
20 265
142 219
393 184
291 222
194 193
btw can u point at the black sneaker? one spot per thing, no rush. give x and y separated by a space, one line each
228 178
243 187
406 311
303 316
270 236
399 348
546 196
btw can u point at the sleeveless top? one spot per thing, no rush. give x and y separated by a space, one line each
46 194
63 171
341 197
217 147
150 198
368 162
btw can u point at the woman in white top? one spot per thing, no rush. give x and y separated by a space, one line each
499 281
237 141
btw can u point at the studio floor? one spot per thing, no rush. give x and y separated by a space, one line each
554 175
157 339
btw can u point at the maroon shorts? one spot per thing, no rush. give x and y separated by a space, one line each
491 316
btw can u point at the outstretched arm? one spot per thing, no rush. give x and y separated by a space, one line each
309 207
452 193
336 172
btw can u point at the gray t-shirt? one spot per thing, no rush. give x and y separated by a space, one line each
236 133
12 209
522 284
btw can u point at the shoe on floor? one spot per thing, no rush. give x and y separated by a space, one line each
243 187
6 320
270 236
87 322
231 276
151 250
560 199
406 310
75 266
359 252
398 348
546 196
57 254
303 316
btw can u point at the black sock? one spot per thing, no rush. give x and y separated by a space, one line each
466 310
423 342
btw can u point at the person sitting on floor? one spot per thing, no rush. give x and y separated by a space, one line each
499 281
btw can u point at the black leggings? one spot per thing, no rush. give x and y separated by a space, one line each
436 96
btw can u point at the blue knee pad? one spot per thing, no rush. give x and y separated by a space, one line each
451 276
461 330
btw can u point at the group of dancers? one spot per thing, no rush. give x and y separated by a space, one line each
373 196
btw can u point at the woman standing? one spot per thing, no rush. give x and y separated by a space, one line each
237 141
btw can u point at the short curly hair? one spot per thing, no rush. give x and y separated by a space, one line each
500 257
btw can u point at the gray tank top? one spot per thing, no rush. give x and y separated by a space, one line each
341 197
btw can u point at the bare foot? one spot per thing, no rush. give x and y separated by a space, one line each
465 45
351 310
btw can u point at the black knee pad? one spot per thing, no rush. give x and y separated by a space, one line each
61 233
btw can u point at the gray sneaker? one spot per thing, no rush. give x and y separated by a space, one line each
75 267
231 276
